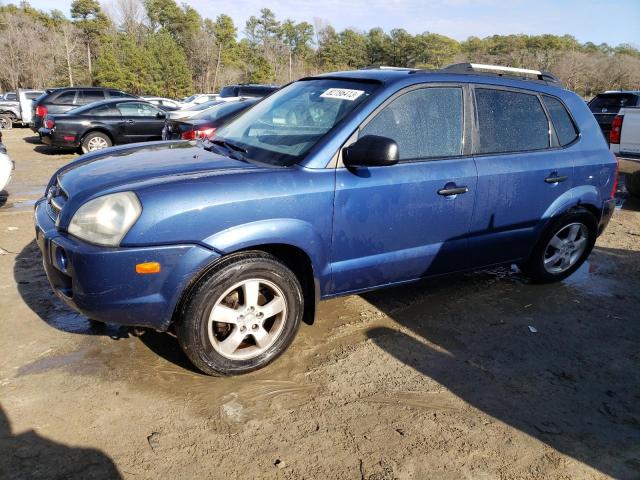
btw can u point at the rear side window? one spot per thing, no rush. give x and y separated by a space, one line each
565 129
66 98
11 97
32 95
510 121
425 123
90 96
118 94
102 111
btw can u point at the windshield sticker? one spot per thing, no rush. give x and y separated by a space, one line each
342 94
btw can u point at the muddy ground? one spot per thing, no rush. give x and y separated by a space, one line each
442 379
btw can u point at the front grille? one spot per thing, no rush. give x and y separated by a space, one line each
56 198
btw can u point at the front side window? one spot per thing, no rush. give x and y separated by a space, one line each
133 109
425 123
510 121
282 128
565 128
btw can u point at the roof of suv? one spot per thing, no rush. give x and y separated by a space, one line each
391 74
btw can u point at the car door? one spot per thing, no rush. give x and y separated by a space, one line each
522 171
141 121
397 223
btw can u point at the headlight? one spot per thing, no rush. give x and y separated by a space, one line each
106 220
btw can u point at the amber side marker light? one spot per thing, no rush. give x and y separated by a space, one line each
147 268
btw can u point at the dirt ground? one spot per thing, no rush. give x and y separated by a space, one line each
476 376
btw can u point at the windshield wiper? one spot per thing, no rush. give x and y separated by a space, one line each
231 148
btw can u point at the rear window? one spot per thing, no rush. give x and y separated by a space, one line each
612 102
65 98
565 128
254 91
229 91
32 95
510 121
222 110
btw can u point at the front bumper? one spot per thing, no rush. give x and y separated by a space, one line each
607 212
101 282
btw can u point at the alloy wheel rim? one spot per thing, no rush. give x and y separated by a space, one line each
247 319
97 143
565 248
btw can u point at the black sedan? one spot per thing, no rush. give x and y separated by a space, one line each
205 123
102 124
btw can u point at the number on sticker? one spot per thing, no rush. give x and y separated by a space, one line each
342 94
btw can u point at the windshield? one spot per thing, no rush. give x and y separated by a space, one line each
221 110
282 128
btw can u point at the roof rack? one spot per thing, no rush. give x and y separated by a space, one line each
501 71
387 67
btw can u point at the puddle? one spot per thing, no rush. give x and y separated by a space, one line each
594 277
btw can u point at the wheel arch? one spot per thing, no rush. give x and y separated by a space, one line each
98 129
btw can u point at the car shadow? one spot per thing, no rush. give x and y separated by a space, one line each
33 140
29 455
4 196
46 150
572 380
36 293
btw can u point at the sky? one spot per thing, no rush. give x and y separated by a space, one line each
610 21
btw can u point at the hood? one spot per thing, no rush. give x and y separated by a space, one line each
95 173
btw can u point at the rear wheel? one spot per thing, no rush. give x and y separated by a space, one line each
562 248
242 315
94 141
5 122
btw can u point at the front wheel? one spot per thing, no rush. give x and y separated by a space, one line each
242 315
562 248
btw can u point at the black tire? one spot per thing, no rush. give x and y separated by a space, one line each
5 122
534 267
632 182
101 137
192 322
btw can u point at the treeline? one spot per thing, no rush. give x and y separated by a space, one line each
158 47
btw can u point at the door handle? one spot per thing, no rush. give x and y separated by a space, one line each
131 121
555 178
455 190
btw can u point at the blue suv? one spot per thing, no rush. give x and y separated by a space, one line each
335 184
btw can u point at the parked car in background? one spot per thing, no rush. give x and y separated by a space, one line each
624 141
605 106
205 123
335 184
165 104
18 111
185 113
61 100
103 124
248 90
6 166
198 99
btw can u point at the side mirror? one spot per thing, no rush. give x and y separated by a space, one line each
371 151
161 115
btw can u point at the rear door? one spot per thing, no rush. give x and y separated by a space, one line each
522 171
141 121
395 223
